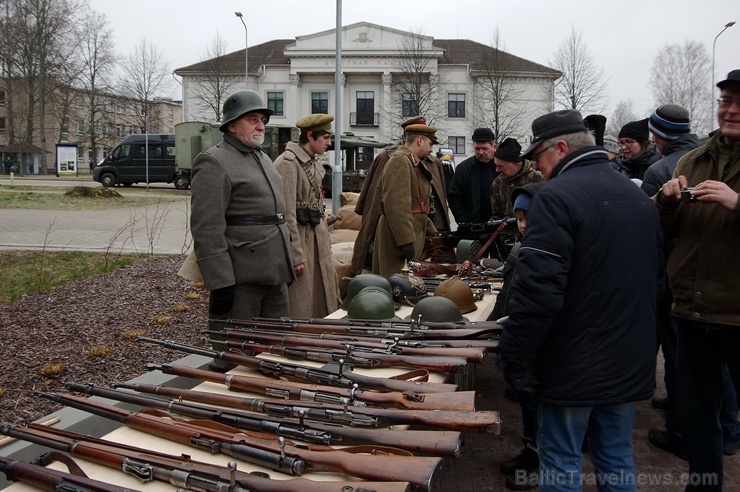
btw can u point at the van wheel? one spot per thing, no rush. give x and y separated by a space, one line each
181 183
108 180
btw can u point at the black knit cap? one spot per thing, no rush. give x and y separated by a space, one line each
636 130
509 150
670 121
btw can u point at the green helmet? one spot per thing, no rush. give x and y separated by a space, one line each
372 303
241 103
356 284
436 309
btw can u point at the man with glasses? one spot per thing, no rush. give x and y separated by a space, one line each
700 206
240 238
580 335
405 198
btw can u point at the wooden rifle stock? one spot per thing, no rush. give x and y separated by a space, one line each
51 480
279 455
180 471
362 348
341 379
438 443
464 421
459 400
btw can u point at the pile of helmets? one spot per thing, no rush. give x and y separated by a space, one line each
369 297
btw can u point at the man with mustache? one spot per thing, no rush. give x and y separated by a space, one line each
240 237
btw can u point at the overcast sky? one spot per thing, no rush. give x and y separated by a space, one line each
623 37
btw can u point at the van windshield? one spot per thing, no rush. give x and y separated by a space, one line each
121 152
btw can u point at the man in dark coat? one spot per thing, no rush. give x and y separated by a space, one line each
580 336
240 238
469 196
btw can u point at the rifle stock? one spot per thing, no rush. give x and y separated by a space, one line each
342 379
464 421
180 471
459 400
279 455
438 443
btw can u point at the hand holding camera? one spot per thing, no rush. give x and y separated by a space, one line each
687 195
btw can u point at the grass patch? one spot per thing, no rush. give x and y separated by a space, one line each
72 199
28 272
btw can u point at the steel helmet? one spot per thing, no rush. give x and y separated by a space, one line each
437 310
241 103
356 284
407 289
457 290
372 303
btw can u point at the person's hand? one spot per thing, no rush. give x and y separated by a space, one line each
716 192
222 300
299 269
407 252
671 190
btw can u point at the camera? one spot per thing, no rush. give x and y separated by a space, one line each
687 195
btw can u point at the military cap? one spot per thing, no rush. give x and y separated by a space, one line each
315 123
427 131
555 124
415 120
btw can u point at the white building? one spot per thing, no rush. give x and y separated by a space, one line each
387 76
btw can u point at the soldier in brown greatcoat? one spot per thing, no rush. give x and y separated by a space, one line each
314 294
406 189
240 237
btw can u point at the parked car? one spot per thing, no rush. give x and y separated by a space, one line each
139 158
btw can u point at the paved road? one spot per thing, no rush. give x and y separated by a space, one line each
161 228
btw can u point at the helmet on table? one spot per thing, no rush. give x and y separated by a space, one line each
455 289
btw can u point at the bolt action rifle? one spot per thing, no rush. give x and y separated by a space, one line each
480 232
437 443
264 450
341 378
37 475
180 471
459 400
486 421
358 348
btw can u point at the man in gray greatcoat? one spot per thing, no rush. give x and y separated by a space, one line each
240 236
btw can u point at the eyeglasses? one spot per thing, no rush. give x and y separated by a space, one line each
254 119
726 102
626 142
536 156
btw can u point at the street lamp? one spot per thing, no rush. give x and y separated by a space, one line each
246 47
714 44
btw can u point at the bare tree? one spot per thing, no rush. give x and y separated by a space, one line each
216 82
623 113
680 75
145 81
582 85
416 81
499 100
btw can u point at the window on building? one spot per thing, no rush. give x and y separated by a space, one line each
120 108
409 107
275 102
456 105
2 125
2 98
365 108
79 127
119 130
320 102
131 129
457 144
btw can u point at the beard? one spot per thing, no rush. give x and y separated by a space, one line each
252 141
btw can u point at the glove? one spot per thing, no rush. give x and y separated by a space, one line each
222 300
407 252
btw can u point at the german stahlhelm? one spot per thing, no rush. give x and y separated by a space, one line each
459 292
372 303
356 284
434 309
407 289
241 103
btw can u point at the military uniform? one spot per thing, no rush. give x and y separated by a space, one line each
314 294
406 189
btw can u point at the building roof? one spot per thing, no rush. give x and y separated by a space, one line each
21 148
456 52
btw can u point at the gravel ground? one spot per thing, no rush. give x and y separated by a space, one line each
84 330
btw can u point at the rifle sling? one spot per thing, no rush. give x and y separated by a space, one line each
419 375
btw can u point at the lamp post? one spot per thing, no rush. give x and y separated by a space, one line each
246 48
714 44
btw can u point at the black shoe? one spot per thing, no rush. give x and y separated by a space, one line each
527 460
660 403
667 442
730 450
523 481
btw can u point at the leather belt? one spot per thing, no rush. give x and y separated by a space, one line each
415 209
247 220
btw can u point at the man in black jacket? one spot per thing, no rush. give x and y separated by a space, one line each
581 336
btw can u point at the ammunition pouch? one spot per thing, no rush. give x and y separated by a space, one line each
308 215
